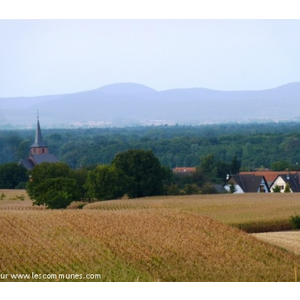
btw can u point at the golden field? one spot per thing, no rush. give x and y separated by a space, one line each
150 239
228 208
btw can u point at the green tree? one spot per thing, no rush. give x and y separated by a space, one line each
191 189
208 163
172 189
208 189
143 170
215 170
80 175
51 184
106 182
232 188
280 165
198 177
23 149
12 176
287 188
235 165
56 193
48 170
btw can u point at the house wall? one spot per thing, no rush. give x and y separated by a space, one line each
265 187
238 189
280 182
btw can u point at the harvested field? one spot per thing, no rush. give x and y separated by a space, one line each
289 240
13 195
15 199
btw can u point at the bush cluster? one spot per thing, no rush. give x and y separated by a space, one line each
295 221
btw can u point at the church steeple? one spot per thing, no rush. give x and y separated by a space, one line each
38 147
38 152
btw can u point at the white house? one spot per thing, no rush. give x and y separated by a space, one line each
281 181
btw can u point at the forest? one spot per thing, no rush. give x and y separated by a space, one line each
270 145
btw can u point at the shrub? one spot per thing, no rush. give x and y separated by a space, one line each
191 189
232 188
295 221
287 188
208 189
276 189
22 197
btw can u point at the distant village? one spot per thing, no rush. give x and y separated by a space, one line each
256 182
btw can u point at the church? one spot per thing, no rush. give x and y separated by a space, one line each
39 152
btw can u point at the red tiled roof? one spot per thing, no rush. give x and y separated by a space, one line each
270 176
184 169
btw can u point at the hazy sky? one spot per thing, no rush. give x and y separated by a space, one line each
42 57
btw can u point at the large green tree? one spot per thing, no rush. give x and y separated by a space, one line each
53 185
80 176
215 170
143 170
48 170
106 182
56 193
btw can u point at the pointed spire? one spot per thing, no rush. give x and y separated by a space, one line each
38 142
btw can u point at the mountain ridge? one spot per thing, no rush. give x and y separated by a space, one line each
131 104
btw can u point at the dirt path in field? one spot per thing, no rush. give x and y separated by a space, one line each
289 240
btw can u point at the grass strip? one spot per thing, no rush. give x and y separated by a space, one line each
264 226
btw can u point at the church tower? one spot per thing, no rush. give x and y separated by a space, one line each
38 151
38 147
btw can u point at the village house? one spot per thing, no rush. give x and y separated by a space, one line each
249 183
281 181
270 176
39 152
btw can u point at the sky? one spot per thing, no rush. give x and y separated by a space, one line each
58 56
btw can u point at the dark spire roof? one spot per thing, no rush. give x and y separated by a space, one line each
38 142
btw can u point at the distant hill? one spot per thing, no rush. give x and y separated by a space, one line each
127 104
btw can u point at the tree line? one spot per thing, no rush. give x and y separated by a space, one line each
255 145
131 174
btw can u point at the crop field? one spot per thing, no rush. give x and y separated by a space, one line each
151 239
228 208
13 196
